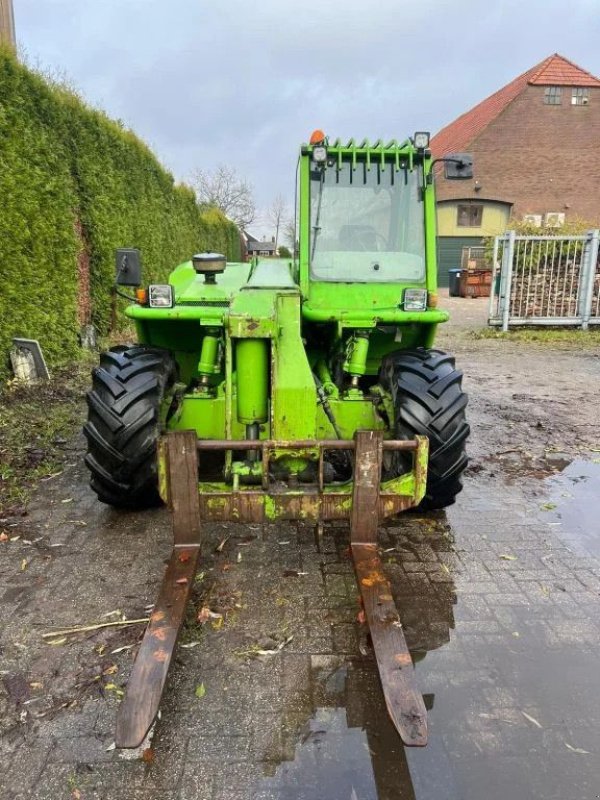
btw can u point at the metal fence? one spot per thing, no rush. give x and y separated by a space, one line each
473 258
545 280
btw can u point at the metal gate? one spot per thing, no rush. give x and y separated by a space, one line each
545 280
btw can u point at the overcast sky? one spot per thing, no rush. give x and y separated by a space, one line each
244 83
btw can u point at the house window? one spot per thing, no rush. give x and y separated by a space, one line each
580 97
552 96
469 215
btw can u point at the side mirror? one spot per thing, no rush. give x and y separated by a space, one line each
458 166
128 266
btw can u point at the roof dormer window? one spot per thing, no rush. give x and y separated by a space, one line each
552 96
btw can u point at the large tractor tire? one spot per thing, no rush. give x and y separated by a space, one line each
428 400
124 407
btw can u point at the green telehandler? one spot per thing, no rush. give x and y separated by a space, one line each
291 389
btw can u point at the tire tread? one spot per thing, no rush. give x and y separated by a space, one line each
429 401
123 424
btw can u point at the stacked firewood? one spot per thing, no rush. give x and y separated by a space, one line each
546 290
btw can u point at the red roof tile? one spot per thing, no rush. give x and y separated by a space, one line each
559 71
552 71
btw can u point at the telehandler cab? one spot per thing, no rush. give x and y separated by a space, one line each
277 390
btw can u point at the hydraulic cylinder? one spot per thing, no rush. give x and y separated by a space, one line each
356 356
252 367
208 355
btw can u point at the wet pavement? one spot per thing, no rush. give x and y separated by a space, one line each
575 506
500 602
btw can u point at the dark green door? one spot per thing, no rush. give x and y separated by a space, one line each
449 251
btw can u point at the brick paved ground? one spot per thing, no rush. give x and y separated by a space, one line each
508 649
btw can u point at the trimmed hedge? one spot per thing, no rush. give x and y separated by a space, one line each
73 180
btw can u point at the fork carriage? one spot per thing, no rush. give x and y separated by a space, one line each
364 502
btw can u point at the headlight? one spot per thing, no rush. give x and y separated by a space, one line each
319 154
421 140
160 296
415 299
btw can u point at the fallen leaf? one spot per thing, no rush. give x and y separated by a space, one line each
110 686
217 624
361 616
279 647
239 556
506 557
531 719
200 691
76 794
67 500
548 506
205 614
111 670
577 750
185 556
181 581
189 645
3 537
36 685
120 649
24 563
148 755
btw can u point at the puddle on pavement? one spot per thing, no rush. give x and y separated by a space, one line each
348 749
574 506
500 711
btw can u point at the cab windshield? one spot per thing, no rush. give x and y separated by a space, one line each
366 224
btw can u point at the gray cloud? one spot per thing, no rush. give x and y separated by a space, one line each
244 83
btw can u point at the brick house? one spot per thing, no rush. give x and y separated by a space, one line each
536 148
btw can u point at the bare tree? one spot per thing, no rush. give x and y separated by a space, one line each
289 232
277 215
223 188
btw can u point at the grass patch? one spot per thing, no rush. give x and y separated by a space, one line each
37 424
589 338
